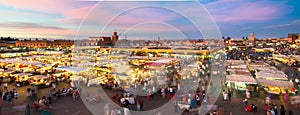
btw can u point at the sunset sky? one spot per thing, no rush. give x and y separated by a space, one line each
67 18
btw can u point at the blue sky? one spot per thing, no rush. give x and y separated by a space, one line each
65 19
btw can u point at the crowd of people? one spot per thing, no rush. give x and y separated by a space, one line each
9 96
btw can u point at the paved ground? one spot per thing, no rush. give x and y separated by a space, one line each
64 105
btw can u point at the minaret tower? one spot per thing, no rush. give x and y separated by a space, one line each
114 37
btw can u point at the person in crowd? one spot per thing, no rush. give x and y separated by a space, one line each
32 92
53 86
223 93
70 90
248 108
41 103
285 97
16 95
245 102
229 96
27 110
49 99
79 90
266 107
75 95
176 106
9 98
4 95
193 104
275 108
272 111
12 94
269 113
225 97
5 86
254 108
138 106
58 93
248 95
198 99
148 95
282 110
268 100
163 93
141 102
28 92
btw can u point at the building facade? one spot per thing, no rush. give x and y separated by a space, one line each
99 41
294 36
252 41
32 43
60 43
44 43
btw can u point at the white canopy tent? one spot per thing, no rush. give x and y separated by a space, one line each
297 57
22 74
269 74
247 79
280 56
235 61
276 83
40 76
71 69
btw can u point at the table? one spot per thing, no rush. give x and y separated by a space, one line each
184 106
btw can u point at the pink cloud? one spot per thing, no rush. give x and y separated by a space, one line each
75 16
38 33
48 6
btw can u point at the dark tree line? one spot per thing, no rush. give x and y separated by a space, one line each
8 39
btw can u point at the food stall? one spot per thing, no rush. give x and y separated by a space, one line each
6 75
60 75
271 75
240 82
74 71
40 81
159 63
276 86
22 78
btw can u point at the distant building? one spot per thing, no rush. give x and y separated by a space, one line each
252 37
60 43
251 41
114 38
3 44
100 41
44 43
294 36
7 43
32 43
153 43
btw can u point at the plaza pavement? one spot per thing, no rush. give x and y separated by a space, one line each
62 106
